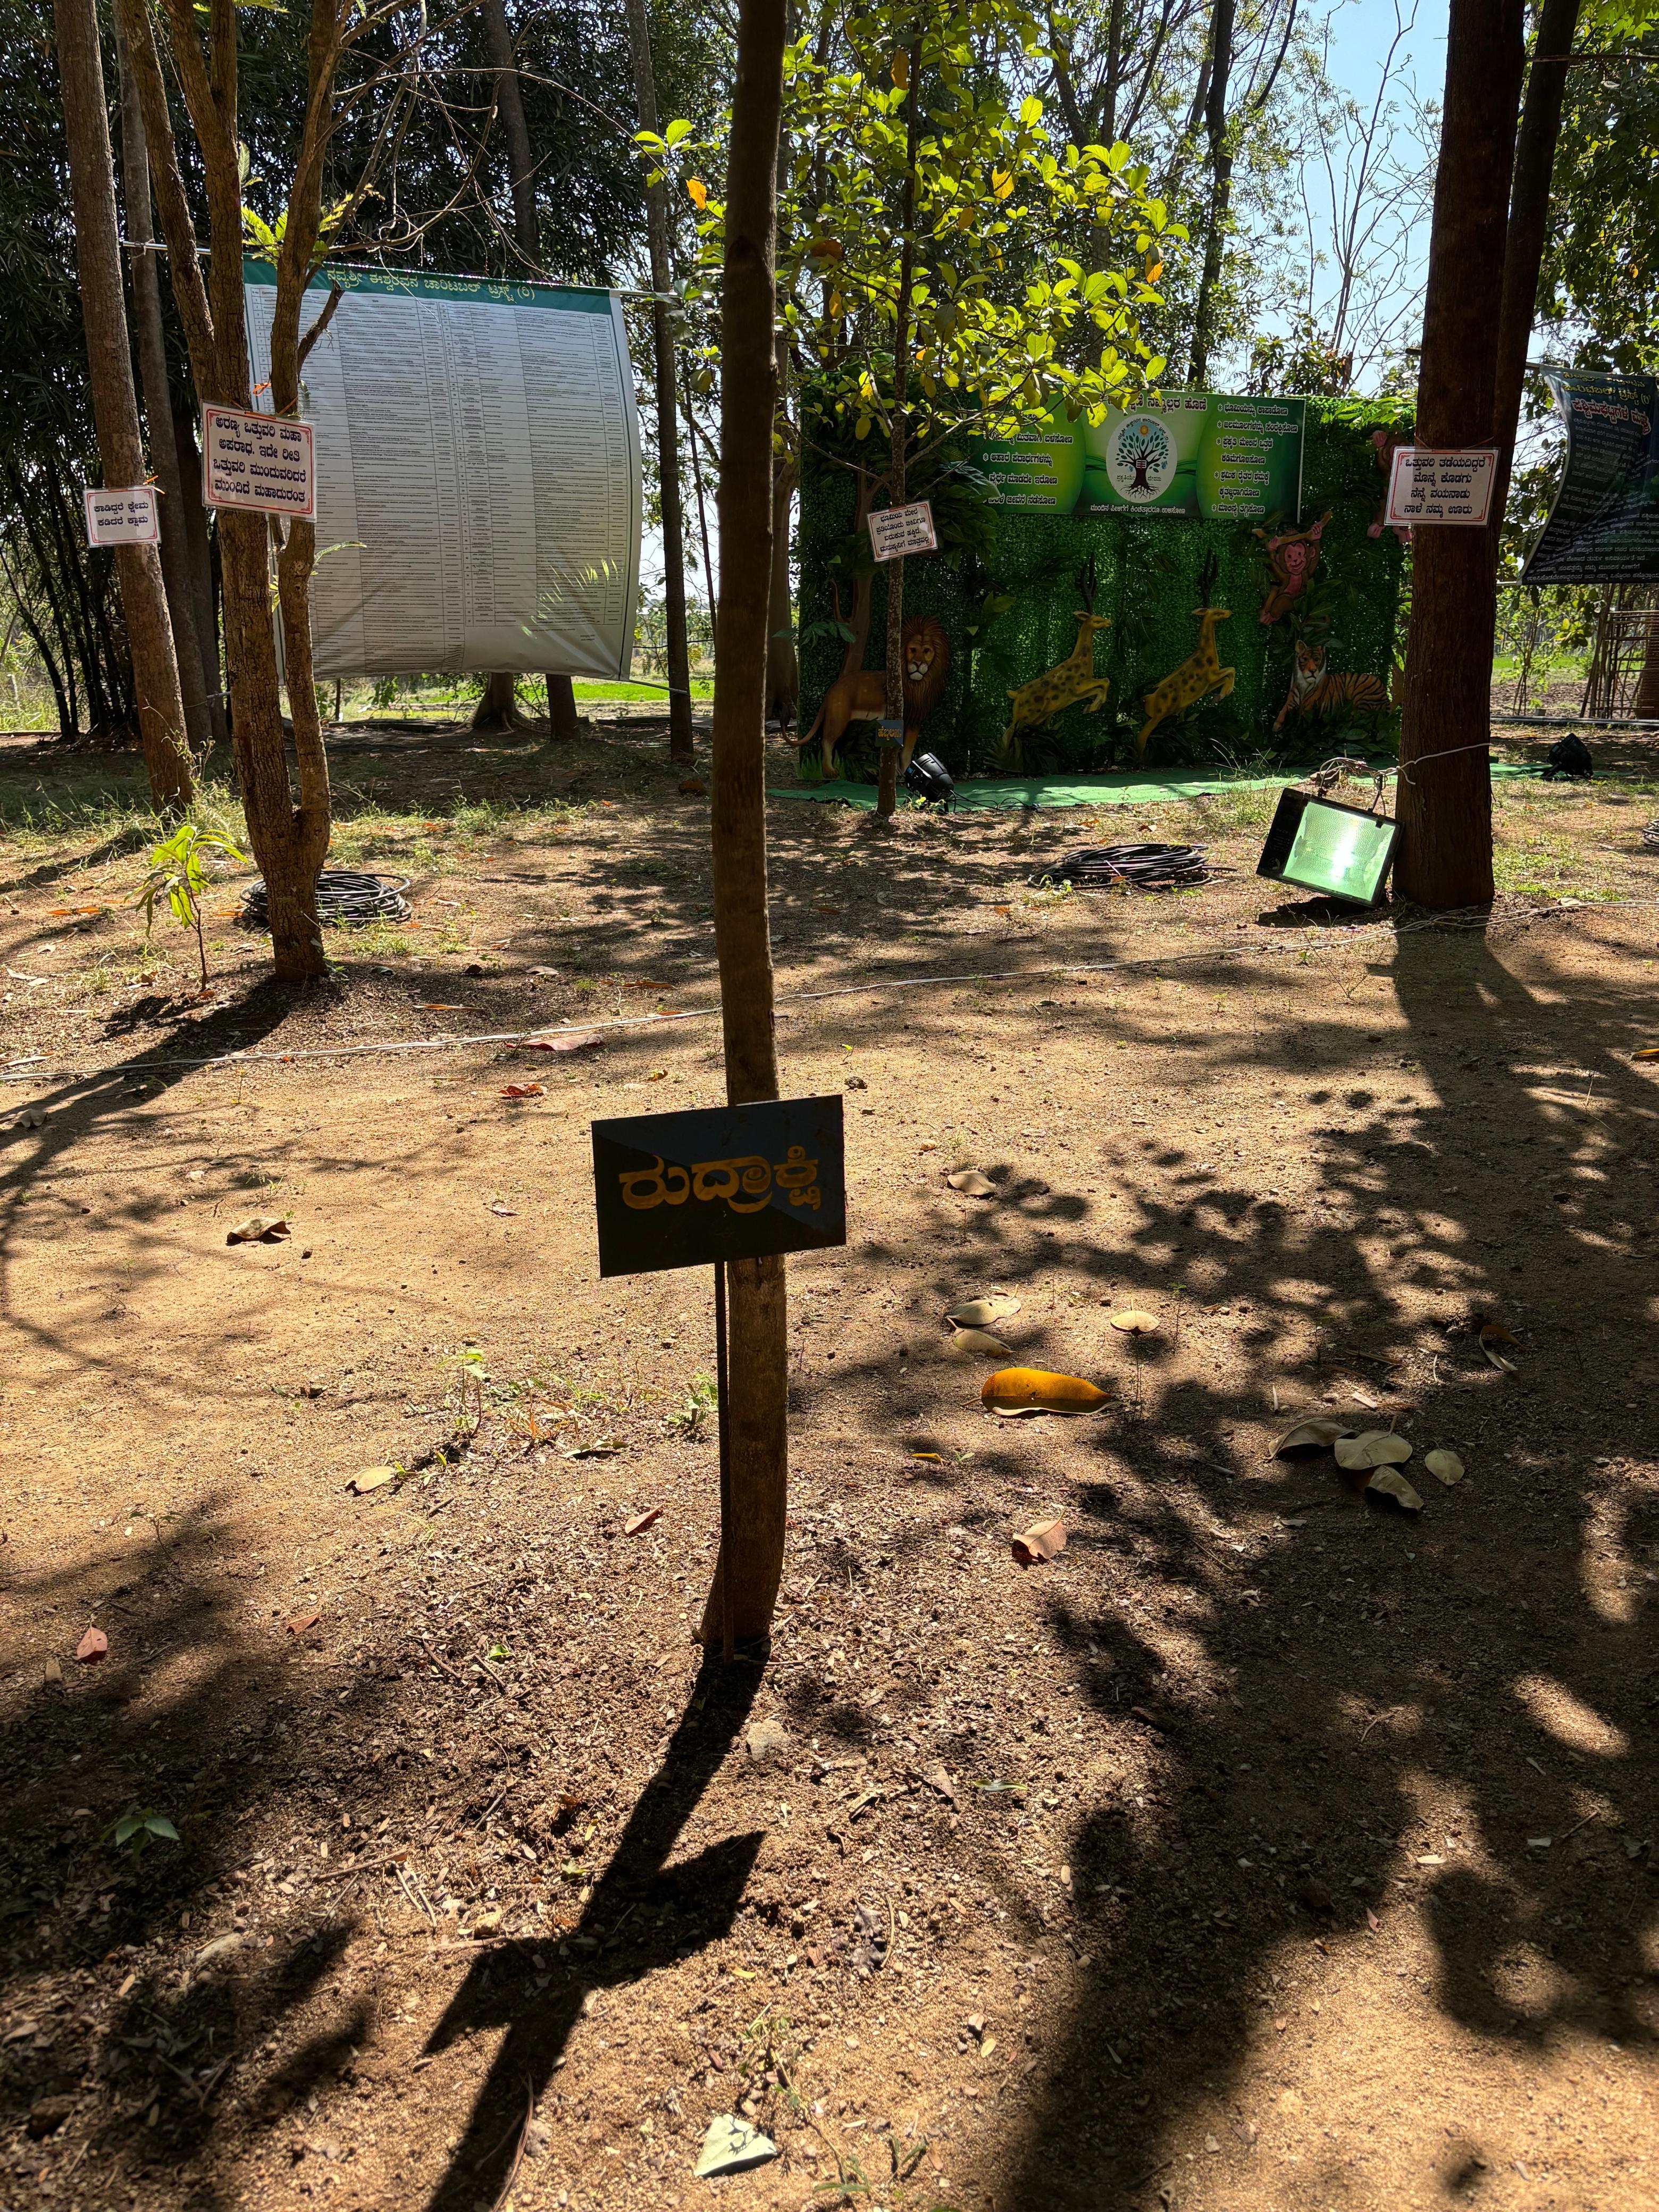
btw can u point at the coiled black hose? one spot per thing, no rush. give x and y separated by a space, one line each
342 895
1142 867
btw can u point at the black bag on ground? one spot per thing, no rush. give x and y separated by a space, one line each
1570 757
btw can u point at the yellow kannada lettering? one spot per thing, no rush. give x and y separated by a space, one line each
644 1188
744 1184
798 1176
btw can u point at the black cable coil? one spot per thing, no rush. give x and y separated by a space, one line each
342 895
1142 867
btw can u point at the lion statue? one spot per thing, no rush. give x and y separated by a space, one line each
860 695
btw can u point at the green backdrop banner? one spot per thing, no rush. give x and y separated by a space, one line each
1007 584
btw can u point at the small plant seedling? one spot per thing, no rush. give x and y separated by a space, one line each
176 874
702 1400
135 1832
466 1393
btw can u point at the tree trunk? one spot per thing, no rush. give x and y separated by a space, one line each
1645 705
158 412
887 784
204 599
114 406
1221 189
497 710
563 718
1528 221
680 744
1445 782
747 1580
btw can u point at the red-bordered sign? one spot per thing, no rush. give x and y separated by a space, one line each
260 461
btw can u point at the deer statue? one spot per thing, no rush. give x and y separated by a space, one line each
1070 680
1199 675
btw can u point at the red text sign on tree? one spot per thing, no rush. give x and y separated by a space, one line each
259 461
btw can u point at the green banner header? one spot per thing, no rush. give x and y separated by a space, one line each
570 299
1196 454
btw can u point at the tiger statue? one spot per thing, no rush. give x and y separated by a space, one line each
860 695
1318 690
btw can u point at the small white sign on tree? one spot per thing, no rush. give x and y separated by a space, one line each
897 531
1451 488
123 518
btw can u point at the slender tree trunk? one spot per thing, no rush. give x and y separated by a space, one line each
680 744
757 1367
204 599
158 410
562 721
1445 781
1530 206
702 518
1221 189
114 406
887 784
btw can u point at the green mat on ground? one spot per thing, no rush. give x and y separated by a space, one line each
1127 787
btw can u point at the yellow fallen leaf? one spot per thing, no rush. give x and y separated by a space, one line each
1135 1323
978 1311
981 1341
1033 1390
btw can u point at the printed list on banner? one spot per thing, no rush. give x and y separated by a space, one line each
897 530
1452 488
123 518
258 461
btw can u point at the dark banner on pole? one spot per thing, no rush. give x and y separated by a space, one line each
725 1182
1604 526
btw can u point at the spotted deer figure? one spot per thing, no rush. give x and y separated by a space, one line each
1200 674
1062 686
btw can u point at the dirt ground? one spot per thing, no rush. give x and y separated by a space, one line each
1267 1849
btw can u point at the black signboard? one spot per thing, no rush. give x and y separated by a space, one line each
725 1183
1604 526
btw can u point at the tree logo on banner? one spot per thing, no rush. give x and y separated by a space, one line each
1140 458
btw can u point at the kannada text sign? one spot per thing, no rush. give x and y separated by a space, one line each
897 530
260 461
123 518
1450 489
722 1183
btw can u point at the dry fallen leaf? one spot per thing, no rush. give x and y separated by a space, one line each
260 1228
1316 1434
1034 1390
495 1206
971 1184
1648 1052
302 1622
567 1041
1135 1323
372 1477
1496 1358
693 788
93 1647
1044 1539
1444 1466
54 1671
1393 1485
980 1341
1376 1447
1493 1331
978 1311
517 1090
640 1521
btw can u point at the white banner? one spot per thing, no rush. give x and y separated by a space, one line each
123 518
478 495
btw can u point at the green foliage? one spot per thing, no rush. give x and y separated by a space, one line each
135 1832
702 1400
176 874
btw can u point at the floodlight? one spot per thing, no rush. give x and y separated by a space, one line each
1343 851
